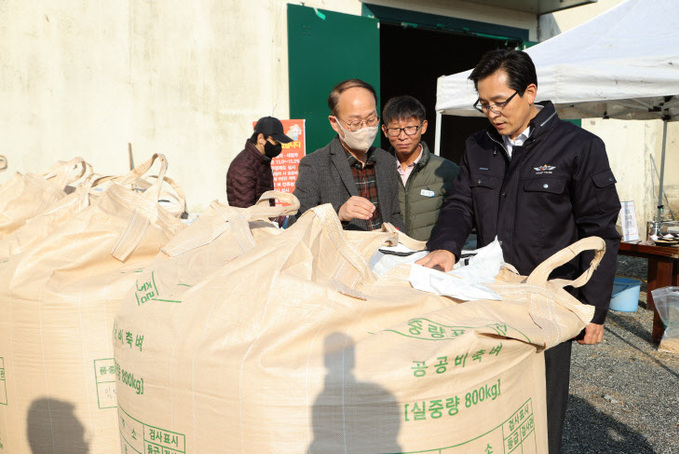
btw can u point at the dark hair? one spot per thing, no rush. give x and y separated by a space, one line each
403 108
341 87
516 63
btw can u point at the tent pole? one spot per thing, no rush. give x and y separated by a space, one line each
437 136
662 169
667 201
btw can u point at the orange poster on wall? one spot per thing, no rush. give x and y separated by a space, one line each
285 166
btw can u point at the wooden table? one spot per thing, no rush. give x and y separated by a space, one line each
663 271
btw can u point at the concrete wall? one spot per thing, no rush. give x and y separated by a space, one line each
633 149
630 144
183 78
82 78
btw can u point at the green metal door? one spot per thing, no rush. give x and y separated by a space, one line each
325 48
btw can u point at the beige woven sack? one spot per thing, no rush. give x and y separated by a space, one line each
295 346
219 235
58 301
85 194
25 196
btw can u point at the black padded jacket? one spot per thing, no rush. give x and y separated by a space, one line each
249 176
556 189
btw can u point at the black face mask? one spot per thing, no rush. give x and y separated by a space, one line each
272 150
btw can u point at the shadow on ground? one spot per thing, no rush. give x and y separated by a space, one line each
587 430
630 324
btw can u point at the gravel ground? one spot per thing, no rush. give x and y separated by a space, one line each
624 393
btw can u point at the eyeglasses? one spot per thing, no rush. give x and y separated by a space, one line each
495 108
409 130
358 124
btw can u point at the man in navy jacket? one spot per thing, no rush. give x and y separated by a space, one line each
539 184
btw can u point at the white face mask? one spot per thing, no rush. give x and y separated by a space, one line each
359 140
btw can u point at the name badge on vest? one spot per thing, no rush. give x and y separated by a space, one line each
427 193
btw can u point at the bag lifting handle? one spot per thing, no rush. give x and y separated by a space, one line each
333 228
263 205
132 236
410 243
133 176
140 170
153 191
539 276
237 220
178 196
65 173
261 210
137 179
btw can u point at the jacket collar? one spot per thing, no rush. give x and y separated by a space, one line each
252 149
341 163
426 154
540 123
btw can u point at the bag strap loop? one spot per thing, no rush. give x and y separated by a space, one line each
64 173
358 256
238 221
541 273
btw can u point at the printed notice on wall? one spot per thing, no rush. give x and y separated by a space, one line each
286 165
628 219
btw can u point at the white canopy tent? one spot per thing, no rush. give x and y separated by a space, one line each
622 64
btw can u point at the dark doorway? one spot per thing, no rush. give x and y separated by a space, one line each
411 61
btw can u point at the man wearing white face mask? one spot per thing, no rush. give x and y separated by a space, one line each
359 180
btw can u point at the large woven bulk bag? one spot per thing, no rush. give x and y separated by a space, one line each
58 301
217 236
84 195
25 196
295 346
39 227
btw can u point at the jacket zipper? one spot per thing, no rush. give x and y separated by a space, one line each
499 143
407 201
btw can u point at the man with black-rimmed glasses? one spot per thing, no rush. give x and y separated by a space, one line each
426 179
539 184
